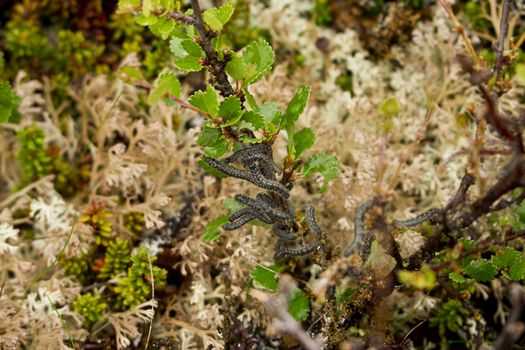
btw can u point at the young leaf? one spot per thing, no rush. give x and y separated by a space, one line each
188 64
144 20
166 83
298 305
303 140
192 48
212 141
254 119
296 106
422 279
509 257
517 270
207 101
270 112
389 107
236 67
266 276
481 270
216 18
163 27
259 57
456 277
230 107
212 232
8 102
322 163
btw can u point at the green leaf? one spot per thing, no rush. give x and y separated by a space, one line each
207 101
252 120
230 107
144 20
270 111
192 48
147 7
8 102
517 271
322 163
210 170
296 106
509 257
303 140
212 141
467 243
481 270
379 261
212 232
166 83
298 305
188 64
216 18
457 277
249 97
236 67
176 47
266 276
163 27
259 58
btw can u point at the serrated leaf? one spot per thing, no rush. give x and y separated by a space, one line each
296 106
251 140
457 277
212 171
212 232
509 257
266 276
216 18
517 270
236 68
163 27
298 305
176 47
481 270
258 57
322 163
212 141
271 113
166 83
188 64
147 7
192 48
252 120
303 140
249 97
207 101
230 107
467 243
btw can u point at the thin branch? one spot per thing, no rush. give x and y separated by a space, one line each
504 26
180 17
213 63
461 194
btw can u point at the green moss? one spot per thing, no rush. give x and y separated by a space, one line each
77 267
449 317
91 307
134 222
98 218
117 259
135 288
